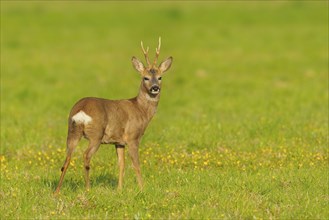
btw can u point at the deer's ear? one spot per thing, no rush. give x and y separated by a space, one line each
138 65
165 65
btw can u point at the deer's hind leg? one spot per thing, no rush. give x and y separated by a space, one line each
74 136
92 148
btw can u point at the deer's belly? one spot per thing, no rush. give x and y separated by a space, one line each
113 136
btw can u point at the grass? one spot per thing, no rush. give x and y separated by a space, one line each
241 131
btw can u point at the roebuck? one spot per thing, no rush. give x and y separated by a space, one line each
118 122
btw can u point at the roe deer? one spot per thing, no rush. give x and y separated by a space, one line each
118 122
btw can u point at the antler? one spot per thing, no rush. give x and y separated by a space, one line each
146 54
157 52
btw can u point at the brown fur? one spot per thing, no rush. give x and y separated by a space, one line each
118 122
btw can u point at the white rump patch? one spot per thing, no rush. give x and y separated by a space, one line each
81 118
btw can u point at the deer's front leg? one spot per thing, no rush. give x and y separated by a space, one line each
121 161
133 152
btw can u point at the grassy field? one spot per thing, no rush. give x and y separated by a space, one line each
241 131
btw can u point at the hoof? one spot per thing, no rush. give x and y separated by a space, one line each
56 193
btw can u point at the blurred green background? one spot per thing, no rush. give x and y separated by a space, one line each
241 69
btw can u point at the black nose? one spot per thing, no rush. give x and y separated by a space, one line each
155 88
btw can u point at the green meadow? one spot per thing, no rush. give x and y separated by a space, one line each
241 131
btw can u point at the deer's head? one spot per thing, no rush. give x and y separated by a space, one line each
152 73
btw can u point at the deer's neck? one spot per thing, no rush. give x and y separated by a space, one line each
147 102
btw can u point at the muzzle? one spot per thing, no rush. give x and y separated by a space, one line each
155 90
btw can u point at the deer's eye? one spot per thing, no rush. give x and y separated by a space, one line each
160 78
146 79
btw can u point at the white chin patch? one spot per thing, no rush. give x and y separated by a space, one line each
155 92
81 118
